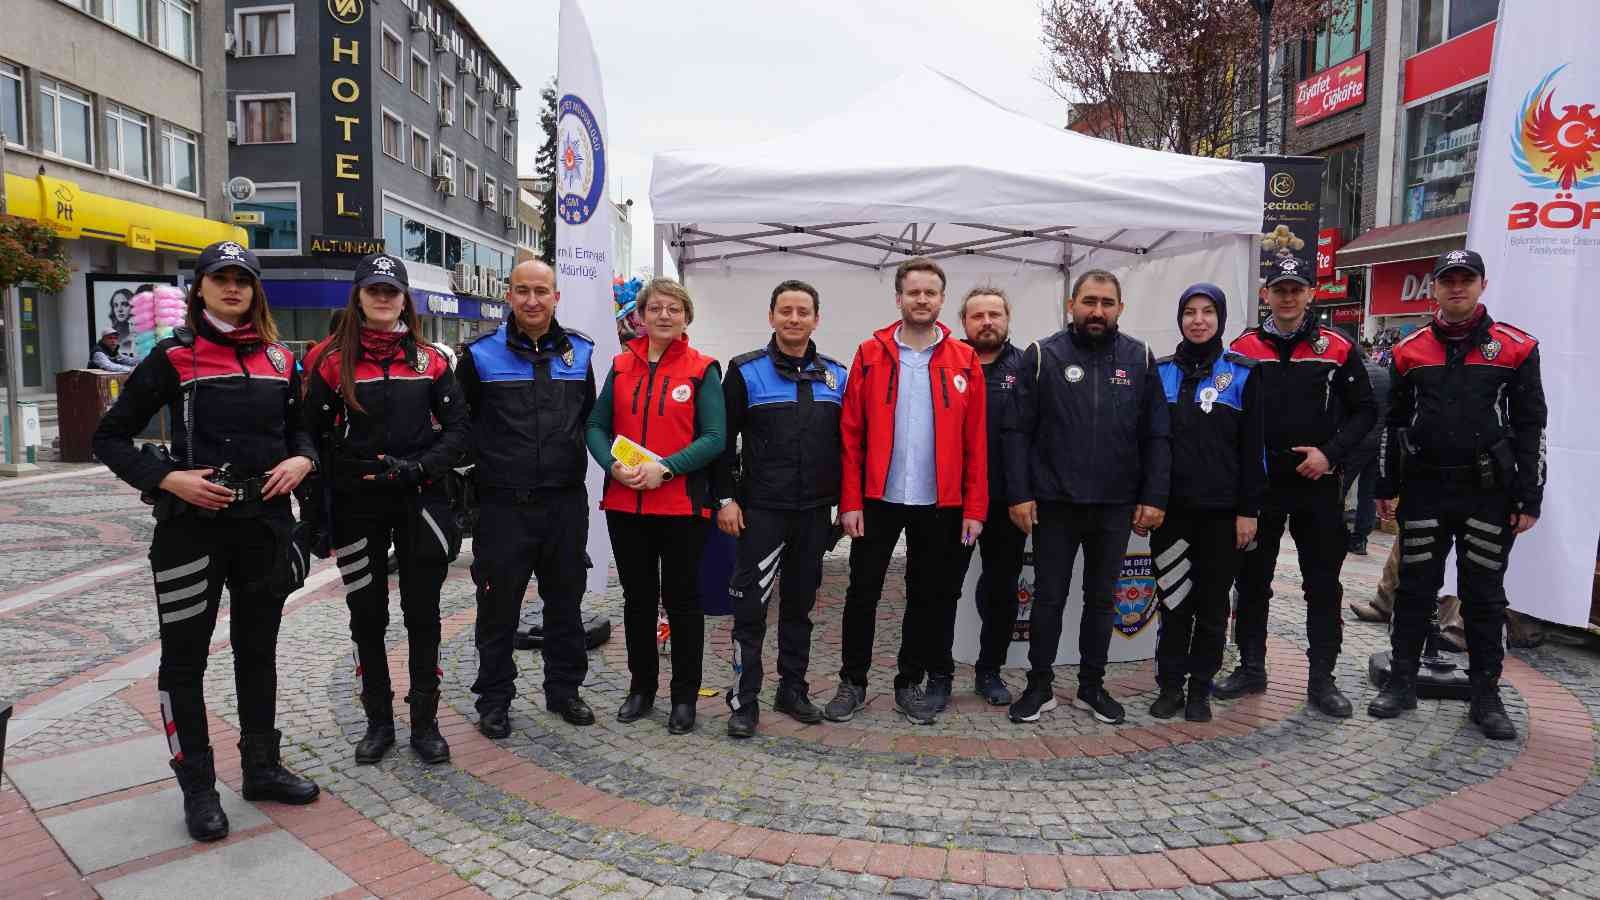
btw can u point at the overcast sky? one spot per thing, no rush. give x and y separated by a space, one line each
694 72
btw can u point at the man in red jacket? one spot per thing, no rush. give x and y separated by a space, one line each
915 459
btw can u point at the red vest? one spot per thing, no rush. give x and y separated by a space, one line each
656 411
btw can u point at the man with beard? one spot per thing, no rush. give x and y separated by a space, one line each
1318 405
1088 459
986 318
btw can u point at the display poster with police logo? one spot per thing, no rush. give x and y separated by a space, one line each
583 226
1291 209
1134 621
1535 220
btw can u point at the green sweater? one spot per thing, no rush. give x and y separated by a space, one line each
710 425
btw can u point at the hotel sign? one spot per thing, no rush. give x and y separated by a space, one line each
346 119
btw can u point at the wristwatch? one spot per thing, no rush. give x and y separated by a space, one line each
666 474
723 503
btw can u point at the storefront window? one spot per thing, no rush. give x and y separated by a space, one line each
1442 154
279 228
1341 190
1441 20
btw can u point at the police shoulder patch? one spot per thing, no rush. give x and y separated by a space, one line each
1222 380
278 358
422 360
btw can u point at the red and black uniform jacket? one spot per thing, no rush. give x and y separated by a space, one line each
653 405
960 423
1314 393
232 402
412 409
1452 400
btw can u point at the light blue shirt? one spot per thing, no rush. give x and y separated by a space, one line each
913 479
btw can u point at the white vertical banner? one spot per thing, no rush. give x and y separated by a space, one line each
583 229
1536 221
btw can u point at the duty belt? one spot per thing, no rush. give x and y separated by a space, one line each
1447 474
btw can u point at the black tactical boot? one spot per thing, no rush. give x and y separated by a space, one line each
1169 702
1198 708
425 736
380 728
1489 712
1249 678
1399 692
202 808
264 777
1323 692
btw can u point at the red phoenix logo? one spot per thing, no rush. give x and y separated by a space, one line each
1554 150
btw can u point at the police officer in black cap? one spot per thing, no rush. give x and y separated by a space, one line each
223 518
1464 450
1318 405
530 387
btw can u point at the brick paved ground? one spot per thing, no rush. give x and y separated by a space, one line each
1269 800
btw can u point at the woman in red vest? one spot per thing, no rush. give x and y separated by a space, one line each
665 397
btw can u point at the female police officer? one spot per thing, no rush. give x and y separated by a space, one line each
374 397
223 518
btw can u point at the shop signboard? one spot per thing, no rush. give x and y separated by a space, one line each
1329 240
1331 91
1402 288
1291 209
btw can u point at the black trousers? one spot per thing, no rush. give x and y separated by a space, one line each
1102 531
933 563
193 557
364 525
543 537
658 561
780 552
1434 516
1196 559
1001 551
1313 512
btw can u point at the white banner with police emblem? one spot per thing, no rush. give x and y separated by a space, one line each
583 228
1536 221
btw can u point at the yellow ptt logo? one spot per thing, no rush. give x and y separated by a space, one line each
347 12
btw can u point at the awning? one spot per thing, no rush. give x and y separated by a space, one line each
1414 240
76 213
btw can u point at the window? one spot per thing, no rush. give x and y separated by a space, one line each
508 202
266 119
127 15
435 248
393 55
1442 153
1440 20
489 190
265 30
13 106
66 125
279 229
452 251
447 95
469 181
394 136
1341 189
448 154
420 68
180 159
1349 32
508 147
469 115
177 28
421 151
127 142
491 133
394 232
415 247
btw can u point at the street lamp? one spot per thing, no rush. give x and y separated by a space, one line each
1263 9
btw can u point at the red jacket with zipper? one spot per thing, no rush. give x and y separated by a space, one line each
960 423
656 411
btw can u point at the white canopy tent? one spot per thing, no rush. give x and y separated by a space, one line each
926 166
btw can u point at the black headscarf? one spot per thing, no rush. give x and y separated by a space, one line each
1189 353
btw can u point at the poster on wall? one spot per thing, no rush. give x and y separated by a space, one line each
1291 208
110 300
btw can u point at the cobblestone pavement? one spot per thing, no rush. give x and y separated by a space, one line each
1271 799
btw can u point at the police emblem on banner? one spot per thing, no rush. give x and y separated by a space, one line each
421 364
1134 603
1074 373
1222 381
276 356
830 379
1320 345
580 161
1491 349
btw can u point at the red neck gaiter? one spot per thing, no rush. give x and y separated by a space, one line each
380 345
1456 331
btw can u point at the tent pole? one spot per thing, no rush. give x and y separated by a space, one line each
775 230
1090 242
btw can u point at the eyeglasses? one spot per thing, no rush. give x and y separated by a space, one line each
671 311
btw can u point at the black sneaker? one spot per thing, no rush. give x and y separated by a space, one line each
1095 699
1169 703
1198 708
742 723
909 701
797 705
846 701
940 687
1039 697
993 691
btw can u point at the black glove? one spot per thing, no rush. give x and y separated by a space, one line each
407 472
